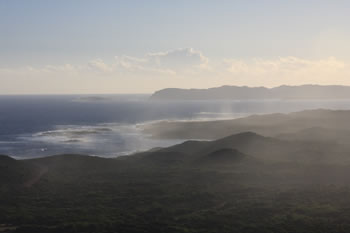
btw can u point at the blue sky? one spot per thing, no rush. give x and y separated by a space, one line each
250 34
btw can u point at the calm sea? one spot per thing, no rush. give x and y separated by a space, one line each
110 125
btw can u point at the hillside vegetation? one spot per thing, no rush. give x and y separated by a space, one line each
244 182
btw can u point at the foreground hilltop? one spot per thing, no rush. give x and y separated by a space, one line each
242 183
244 92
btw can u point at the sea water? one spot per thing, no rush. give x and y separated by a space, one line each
111 125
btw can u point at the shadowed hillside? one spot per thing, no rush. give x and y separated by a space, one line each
16 173
241 183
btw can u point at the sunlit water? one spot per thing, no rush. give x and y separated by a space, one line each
111 125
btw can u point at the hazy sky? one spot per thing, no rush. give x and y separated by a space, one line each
72 46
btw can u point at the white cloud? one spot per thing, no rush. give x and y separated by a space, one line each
100 65
290 70
45 70
186 68
128 62
178 59
283 65
140 66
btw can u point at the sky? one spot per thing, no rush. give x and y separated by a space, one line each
85 46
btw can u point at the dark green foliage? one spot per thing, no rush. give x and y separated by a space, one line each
191 187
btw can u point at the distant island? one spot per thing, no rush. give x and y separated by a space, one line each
244 92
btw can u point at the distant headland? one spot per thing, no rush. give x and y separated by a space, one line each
244 92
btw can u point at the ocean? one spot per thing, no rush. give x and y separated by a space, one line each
111 125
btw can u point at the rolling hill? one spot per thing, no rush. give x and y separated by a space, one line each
270 125
244 182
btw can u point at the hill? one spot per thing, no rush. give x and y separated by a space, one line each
245 182
244 92
14 172
271 125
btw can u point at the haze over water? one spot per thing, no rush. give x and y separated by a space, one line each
111 125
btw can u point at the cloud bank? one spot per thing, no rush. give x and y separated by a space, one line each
183 67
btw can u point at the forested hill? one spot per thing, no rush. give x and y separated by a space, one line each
241 183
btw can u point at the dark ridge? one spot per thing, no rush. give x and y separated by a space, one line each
69 157
6 158
243 137
187 147
247 142
15 172
223 156
71 162
162 158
